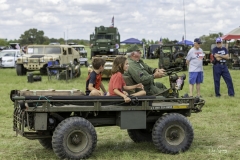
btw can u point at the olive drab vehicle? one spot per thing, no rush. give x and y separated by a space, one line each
234 61
151 51
206 58
172 56
105 43
65 120
40 57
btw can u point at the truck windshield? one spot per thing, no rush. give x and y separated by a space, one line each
104 36
35 50
53 50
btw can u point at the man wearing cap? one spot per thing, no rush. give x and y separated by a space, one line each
140 72
220 68
194 60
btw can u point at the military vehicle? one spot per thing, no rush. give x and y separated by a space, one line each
82 52
39 57
150 51
234 53
206 58
105 43
172 56
64 120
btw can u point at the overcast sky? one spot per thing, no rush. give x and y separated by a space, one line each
149 19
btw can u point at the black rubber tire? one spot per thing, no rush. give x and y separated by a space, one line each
86 64
172 133
78 74
74 138
20 70
140 135
46 143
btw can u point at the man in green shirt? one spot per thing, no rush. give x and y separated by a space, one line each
140 72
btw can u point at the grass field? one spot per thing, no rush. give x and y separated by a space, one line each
216 128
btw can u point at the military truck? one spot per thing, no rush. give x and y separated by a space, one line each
38 58
64 120
234 53
206 58
105 42
172 56
82 52
150 51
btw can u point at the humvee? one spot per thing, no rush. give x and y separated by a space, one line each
172 56
64 120
82 52
37 58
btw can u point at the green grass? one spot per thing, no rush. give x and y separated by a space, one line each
216 128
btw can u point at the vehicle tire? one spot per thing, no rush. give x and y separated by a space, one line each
185 68
46 143
172 133
140 135
78 74
43 71
20 70
74 138
92 55
86 64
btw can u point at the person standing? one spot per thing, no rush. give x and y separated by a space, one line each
220 68
194 60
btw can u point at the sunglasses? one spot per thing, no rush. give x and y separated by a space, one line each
219 42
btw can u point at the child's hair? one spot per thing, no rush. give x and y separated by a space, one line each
98 62
118 64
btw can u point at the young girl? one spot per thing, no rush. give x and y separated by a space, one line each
117 83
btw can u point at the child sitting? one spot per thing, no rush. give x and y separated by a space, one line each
94 80
117 83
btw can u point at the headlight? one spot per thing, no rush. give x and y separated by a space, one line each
25 60
42 60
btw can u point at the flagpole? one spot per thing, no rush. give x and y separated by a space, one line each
184 22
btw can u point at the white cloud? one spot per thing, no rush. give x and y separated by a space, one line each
139 19
4 6
44 18
91 2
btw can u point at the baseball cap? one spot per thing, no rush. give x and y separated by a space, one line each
133 48
218 39
198 40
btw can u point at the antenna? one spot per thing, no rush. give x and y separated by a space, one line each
184 21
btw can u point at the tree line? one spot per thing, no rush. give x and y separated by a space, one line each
34 36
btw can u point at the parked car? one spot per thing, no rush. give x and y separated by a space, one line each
82 52
9 58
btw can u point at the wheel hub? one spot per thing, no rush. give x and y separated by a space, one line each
174 135
77 141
